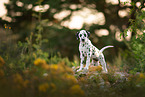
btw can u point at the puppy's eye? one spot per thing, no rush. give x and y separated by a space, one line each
80 35
85 35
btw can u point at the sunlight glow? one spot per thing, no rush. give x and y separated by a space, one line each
117 32
143 9
128 37
20 4
114 2
41 8
73 6
125 0
117 36
123 13
102 32
138 4
84 16
62 14
127 4
115 29
29 6
76 22
18 14
3 10
9 19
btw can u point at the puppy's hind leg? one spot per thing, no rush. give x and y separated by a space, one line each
103 63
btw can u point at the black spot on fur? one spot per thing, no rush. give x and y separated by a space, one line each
95 59
82 62
83 55
83 45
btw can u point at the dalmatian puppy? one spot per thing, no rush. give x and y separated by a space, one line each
88 50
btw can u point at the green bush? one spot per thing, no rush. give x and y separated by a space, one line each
134 57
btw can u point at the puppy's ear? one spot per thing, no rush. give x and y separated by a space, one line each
77 35
88 33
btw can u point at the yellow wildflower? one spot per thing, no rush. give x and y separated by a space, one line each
2 62
141 75
54 67
65 68
39 61
43 87
70 77
1 73
75 89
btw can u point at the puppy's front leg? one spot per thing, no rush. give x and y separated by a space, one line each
81 64
88 61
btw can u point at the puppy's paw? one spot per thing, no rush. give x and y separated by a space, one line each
86 68
79 69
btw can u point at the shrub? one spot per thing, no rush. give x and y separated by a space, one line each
40 80
134 57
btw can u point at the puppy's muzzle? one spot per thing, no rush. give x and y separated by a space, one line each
83 40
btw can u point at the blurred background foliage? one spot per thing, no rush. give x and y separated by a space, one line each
51 26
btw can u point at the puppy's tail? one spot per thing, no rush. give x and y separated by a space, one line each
104 48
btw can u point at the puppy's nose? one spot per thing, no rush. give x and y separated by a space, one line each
83 40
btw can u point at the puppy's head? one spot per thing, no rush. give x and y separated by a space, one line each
83 35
